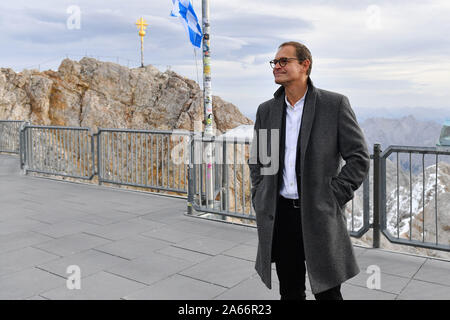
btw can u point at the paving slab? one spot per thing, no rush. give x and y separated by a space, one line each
21 239
170 217
17 260
184 254
388 283
251 289
359 250
166 233
205 245
196 226
72 244
124 229
36 298
421 290
151 268
64 228
99 286
221 270
436 271
15 225
242 251
27 283
90 262
105 216
232 233
55 215
133 247
350 292
178 287
391 263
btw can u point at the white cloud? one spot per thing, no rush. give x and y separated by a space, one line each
400 59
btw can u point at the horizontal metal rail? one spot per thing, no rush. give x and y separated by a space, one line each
410 212
232 184
406 182
144 158
231 196
63 151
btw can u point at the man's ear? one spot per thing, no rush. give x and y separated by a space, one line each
306 63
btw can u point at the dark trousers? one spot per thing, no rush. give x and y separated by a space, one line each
288 254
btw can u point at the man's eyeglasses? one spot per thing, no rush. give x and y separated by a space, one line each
282 61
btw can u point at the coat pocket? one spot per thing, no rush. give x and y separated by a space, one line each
333 194
256 195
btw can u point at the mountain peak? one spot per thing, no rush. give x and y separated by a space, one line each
96 93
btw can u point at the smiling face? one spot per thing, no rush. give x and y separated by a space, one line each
294 71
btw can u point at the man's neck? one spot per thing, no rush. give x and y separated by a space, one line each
295 91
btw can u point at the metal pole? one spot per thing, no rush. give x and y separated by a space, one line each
142 52
191 176
207 99
376 195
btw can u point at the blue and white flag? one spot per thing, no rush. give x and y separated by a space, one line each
185 11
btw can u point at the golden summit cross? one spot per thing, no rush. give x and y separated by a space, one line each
142 24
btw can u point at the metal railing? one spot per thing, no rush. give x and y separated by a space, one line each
9 135
143 158
359 211
400 199
231 196
408 209
64 151
232 184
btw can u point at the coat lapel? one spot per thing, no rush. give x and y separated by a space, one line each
309 109
279 122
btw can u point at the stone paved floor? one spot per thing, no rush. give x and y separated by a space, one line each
132 245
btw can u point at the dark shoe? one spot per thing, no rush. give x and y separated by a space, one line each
330 294
293 298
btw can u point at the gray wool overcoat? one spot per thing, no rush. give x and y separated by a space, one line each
329 132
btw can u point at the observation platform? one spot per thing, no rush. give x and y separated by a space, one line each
134 245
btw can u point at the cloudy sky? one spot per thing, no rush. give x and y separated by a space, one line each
390 54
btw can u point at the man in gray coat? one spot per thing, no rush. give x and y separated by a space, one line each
299 189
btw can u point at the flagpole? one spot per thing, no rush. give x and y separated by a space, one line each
196 65
207 99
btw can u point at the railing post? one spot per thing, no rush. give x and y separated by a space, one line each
190 195
99 159
22 144
92 134
376 195
224 176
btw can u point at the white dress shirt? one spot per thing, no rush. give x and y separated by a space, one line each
293 121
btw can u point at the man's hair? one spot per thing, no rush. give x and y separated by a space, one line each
301 51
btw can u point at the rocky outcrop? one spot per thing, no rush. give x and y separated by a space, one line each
92 93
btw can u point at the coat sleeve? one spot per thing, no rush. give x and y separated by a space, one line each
353 149
253 161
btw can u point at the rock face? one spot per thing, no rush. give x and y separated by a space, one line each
92 93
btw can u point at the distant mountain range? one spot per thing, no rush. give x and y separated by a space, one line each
438 115
405 131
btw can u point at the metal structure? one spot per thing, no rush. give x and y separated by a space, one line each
149 159
230 179
207 101
427 234
63 151
9 135
175 162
